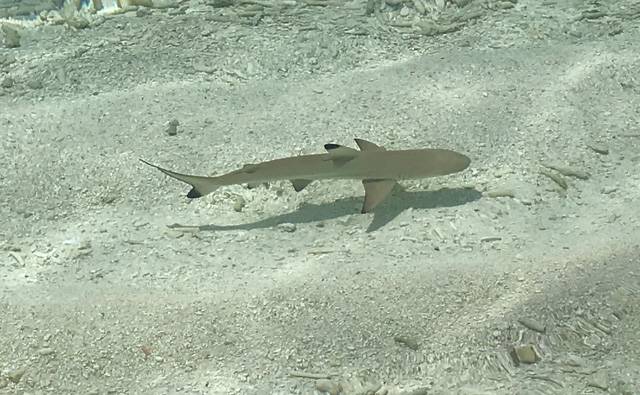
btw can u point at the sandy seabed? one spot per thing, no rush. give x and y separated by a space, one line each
517 276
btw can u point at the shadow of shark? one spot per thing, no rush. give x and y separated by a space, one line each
400 201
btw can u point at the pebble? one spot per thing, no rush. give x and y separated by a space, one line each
573 360
34 84
569 171
599 379
498 193
16 375
171 127
555 178
78 21
11 36
524 354
160 4
328 386
7 83
407 341
287 227
142 12
532 324
238 204
599 148
46 351
6 59
54 18
417 391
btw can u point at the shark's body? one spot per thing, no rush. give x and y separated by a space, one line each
378 169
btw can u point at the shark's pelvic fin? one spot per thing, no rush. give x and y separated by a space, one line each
368 145
375 191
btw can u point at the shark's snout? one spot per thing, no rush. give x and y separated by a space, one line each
465 161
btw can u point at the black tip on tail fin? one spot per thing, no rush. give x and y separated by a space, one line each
194 194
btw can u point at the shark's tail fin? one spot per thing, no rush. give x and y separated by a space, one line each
201 185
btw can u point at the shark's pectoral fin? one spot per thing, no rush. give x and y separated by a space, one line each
368 145
299 184
375 191
340 154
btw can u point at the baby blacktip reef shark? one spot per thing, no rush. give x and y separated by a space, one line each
378 169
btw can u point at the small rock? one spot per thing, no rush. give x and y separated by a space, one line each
532 324
609 190
84 245
16 375
417 391
287 227
328 386
524 354
46 351
78 21
7 83
407 341
573 361
568 171
34 84
142 12
526 202
171 127
599 148
55 18
599 379
11 36
238 204
220 3
160 4
140 224
497 193
7 59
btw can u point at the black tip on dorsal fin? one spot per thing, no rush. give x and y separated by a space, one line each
340 153
331 146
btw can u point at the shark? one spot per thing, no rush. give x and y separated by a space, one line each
378 168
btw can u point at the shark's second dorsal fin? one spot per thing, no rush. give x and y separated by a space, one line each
368 145
340 153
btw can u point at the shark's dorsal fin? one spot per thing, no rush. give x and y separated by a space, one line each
340 153
299 184
368 145
375 191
